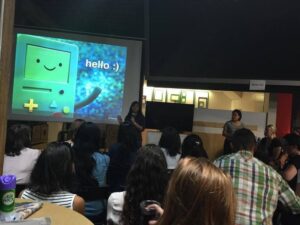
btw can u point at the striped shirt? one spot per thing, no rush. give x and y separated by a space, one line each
62 198
258 188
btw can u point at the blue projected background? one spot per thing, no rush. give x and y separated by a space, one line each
100 66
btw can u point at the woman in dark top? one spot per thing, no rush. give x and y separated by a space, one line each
277 155
291 172
293 148
262 148
136 119
170 144
122 156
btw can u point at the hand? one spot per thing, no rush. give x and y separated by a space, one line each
159 212
119 118
282 160
132 120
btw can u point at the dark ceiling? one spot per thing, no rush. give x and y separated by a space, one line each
105 17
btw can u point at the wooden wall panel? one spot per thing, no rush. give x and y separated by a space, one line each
213 144
5 69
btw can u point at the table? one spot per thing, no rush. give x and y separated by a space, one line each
59 215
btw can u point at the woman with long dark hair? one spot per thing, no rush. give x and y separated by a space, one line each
170 145
51 178
122 156
90 165
146 180
192 146
136 119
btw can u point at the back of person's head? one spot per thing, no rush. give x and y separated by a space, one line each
199 193
292 139
86 143
53 169
277 147
192 146
128 137
87 139
243 139
74 128
147 180
18 137
170 140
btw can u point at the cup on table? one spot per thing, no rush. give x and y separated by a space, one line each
148 213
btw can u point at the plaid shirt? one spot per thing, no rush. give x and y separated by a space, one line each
258 188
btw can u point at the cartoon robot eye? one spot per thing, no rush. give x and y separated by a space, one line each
60 64
38 60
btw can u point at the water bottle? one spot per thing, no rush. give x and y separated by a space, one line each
7 197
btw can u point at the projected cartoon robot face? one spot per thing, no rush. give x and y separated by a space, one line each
45 77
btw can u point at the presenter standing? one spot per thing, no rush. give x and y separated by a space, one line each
230 127
136 119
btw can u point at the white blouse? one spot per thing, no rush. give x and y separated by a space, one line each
21 165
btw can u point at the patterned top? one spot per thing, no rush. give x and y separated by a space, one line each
230 128
62 198
258 188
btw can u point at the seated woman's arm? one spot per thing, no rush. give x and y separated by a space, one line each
289 173
78 204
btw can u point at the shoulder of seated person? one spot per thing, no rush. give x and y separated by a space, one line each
31 151
78 204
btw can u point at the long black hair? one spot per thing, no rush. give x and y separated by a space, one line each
170 140
147 179
18 137
128 137
129 114
53 170
86 142
192 145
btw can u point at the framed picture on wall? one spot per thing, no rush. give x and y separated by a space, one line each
202 102
144 99
175 98
158 95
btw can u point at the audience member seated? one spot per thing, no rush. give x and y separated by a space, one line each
293 148
262 148
277 154
290 174
198 193
147 180
90 167
122 156
229 128
73 130
51 178
170 145
19 158
192 146
258 187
